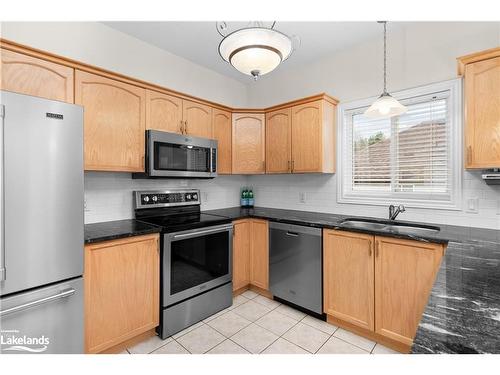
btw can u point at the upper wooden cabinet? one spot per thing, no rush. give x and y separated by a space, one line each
163 112
32 76
348 263
122 290
259 253
197 119
241 254
404 275
279 141
313 137
249 140
114 123
482 109
222 133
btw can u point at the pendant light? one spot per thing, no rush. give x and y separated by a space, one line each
254 50
385 106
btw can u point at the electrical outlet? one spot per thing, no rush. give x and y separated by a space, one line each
302 197
85 206
472 205
205 196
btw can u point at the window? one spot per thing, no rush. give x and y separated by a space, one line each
413 159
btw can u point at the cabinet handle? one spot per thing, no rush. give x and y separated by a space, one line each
289 166
293 166
469 155
264 165
185 127
377 248
182 127
370 248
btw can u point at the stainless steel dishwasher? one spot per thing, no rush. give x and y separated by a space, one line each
295 265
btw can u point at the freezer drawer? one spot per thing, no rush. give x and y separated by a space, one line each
44 320
295 265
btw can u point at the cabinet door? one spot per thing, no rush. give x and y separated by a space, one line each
348 272
241 254
122 280
259 253
249 139
114 123
404 275
197 119
32 76
278 141
163 112
307 137
482 103
222 133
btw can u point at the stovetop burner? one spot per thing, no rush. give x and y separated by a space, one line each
174 210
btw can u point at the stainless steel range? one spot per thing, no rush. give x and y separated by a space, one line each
196 253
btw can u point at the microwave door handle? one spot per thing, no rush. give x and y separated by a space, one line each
3 272
202 232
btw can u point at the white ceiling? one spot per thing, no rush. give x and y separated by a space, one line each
198 41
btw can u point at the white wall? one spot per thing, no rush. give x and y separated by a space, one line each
97 44
419 53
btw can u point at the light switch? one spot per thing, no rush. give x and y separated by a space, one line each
473 205
302 197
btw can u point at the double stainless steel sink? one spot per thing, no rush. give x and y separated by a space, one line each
389 226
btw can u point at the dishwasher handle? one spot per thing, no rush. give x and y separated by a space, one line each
294 230
293 234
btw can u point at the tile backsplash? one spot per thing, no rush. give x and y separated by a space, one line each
319 193
108 196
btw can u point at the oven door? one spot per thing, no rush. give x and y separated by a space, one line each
176 155
195 261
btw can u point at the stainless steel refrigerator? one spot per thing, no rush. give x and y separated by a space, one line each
41 231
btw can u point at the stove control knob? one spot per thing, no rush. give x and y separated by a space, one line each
188 197
195 197
146 199
155 198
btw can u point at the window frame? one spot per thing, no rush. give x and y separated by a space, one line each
455 151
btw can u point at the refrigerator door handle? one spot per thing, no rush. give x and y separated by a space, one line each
41 301
2 208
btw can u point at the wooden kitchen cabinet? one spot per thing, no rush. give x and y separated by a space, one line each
259 253
249 140
114 123
404 275
313 137
37 77
222 133
197 119
482 109
279 141
378 286
348 262
122 280
241 254
163 112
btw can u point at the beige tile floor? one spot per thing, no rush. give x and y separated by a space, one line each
256 324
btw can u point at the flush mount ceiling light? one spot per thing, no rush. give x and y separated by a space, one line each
385 106
255 50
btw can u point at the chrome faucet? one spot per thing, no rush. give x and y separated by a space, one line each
395 211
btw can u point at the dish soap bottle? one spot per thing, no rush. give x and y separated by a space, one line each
251 200
244 197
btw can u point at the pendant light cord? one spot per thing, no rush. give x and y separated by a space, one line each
385 57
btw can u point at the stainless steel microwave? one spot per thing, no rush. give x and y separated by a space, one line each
171 155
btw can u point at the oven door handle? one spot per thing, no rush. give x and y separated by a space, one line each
202 232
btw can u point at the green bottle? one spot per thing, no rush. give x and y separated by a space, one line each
243 200
251 200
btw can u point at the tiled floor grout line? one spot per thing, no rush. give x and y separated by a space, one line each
357 346
316 352
281 336
182 346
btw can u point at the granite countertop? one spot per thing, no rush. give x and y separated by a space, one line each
463 311
112 230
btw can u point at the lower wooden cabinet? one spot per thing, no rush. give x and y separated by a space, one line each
379 284
251 253
348 262
122 280
404 275
241 254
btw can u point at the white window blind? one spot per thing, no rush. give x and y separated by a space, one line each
408 158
